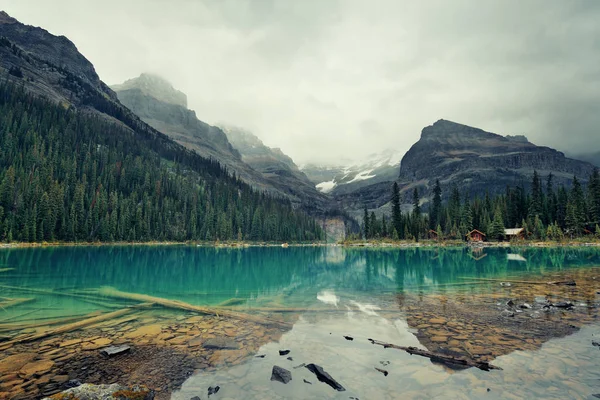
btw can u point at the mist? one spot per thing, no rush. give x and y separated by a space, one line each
329 81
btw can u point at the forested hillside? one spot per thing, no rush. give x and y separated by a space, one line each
74 176
545 212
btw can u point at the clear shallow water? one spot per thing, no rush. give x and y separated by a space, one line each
361 287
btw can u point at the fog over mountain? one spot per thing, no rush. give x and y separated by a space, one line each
326 80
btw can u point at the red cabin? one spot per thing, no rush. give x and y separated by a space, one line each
475 236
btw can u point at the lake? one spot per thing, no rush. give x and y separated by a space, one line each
322 304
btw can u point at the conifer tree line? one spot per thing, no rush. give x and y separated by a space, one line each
67 175
545 212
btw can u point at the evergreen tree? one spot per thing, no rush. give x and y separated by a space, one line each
535 206
396 213
496 229
436 206
72 176
366 222
416 230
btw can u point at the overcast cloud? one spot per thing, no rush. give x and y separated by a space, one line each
328 80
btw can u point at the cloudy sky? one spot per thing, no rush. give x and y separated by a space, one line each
332 80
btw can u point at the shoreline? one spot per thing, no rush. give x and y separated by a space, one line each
347 244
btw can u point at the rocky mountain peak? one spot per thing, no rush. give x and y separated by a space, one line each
154 86
6 19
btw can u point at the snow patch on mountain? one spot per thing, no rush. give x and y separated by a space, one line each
326 187
362 176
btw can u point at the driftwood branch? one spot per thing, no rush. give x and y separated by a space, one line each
74 326
180 305
567 283
439 358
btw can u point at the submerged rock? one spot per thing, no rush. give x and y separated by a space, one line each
115 391
324 377
281 375
220 343
563 304
114 350
213 390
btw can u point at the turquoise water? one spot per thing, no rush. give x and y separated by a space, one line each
204 275
363 283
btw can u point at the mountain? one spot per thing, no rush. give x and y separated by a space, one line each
474 160
337 180
592 158
276 166
157 103
477 161
77 165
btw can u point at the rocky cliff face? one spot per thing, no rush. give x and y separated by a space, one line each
49 65
476 160
278 167
156 102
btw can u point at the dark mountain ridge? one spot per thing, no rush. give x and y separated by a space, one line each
474 160
104 170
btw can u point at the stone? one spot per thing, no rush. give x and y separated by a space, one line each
112 351
324 377
60 379
220 343
146 330
71 342
525 306
281 375
96 344
284 352
348 338
563 304
439 338
36 368
73 383
15 362
305 381
437 321
195 398
113 392
595 343
213 390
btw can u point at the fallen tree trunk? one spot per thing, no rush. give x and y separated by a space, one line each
439 358
14 302
74 326
507 281
13 326
180 305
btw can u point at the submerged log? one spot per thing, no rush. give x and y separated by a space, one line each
509 281
74 326
14 302
14 326
439 358
180 305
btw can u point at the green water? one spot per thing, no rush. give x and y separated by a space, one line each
357 279
204 275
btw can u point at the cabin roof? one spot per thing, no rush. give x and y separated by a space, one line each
513 231
475 231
